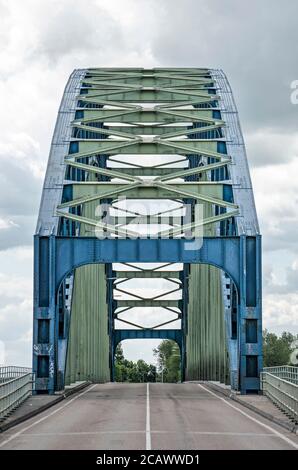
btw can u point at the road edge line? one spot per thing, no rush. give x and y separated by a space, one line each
18 433
289 427
31 414
264 425
148 430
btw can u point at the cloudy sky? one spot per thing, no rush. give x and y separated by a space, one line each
42 41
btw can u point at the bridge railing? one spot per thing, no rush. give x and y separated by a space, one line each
10 372
16 384
284 393
289 373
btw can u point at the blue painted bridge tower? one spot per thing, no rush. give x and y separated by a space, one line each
147 229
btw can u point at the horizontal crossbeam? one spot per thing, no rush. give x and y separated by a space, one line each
147 274
147 303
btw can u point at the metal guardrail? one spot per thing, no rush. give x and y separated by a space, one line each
284 393
289 373
16 385
10 372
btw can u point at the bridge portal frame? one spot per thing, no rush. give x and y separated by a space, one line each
56 257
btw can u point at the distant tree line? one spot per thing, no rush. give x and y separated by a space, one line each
130 371
276 352
277 349
168 365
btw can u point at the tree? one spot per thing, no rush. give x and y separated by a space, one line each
168 359
120 368
277 350
119 356
130 371
151 376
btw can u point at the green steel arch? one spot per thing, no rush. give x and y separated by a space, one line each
147 185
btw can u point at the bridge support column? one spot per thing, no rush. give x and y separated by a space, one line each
110 274
250 324
44 326
184 277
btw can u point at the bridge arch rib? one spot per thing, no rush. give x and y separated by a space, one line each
111 123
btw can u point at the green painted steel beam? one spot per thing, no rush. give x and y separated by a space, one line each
155 77
200 89
197 130
146 219
147 171
103 228
132 132
88 346
147 303
158 146
161 130
193 171
102 171
201 190
206 221
147 274
206 344
147 96
103 131
146 116
147 82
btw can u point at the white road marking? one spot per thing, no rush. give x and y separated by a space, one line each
203 433
17 434
148 431
80 433
219 433
269 428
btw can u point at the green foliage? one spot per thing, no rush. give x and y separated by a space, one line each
168 358
276 349
130 371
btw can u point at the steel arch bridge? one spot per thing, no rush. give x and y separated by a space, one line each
147 185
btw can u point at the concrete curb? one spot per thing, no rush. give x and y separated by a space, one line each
31 414
233 396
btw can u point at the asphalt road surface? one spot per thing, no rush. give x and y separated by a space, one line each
148 416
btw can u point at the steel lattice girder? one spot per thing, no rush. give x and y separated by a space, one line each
145 116
205 191
147 113
157 130
180 147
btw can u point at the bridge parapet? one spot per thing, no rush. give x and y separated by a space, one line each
280 384
16 385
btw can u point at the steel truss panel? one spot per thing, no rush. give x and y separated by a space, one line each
110 122
47 223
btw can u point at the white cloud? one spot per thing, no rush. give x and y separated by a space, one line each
135 349
276 199
281 312
24 151
4 223
267 147
16 305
